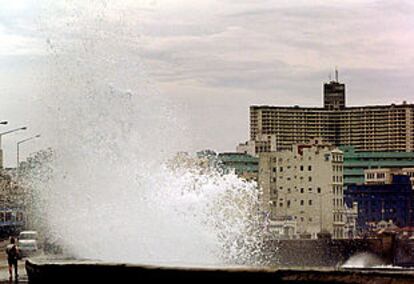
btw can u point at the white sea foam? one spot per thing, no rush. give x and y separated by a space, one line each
109 193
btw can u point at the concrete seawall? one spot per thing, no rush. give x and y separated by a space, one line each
326 252
90 272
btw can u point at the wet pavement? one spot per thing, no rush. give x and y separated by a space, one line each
4 273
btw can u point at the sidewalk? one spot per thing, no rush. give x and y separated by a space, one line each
4 273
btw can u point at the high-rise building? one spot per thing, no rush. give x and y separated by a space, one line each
367 128
305 184
334 94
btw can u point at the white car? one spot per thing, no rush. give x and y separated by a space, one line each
27 243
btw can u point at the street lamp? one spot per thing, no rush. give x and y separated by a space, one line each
18 148
26 209
5 133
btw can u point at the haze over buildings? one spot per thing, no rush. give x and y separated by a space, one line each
213 58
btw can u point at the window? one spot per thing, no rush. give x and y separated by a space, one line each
288 203
301 190
319 190
310 178
309 168
280 204
310 189
274 170
310 202
301 168
281 169
302 203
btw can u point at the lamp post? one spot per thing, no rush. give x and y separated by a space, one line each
26 209
18 149
5 133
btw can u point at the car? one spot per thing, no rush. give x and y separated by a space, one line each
28 243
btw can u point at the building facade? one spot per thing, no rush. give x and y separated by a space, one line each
390 203
243 165
356 162
368 128
305 184
385 176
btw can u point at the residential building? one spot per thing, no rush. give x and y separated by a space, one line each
391 203
306 185
284 227
367 128
356 162
262 143
244 165
385 176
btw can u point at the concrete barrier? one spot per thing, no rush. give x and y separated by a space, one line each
95 272
323 252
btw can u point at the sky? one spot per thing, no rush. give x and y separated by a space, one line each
215 57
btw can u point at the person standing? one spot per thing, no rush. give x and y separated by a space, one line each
12 257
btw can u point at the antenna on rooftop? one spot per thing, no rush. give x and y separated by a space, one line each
336 74
330 77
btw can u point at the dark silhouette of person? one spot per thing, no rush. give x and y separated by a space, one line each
12 258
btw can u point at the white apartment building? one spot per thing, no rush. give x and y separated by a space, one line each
305 184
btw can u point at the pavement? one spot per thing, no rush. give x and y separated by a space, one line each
4 273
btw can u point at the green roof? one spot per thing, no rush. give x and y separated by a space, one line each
351 153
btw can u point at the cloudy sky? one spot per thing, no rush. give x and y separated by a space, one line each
214 57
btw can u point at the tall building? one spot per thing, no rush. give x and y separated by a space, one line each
367 128
305 184
334 94
356 162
